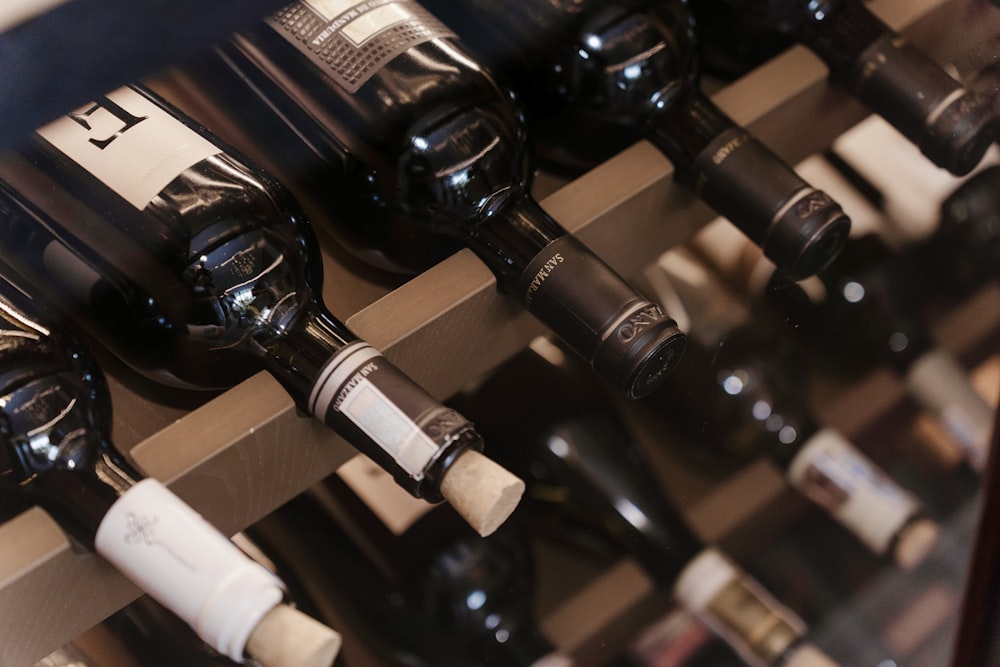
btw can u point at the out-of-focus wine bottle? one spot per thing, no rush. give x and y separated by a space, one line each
864 309
598 76
199 269
587 475
744 395
677 639
951 125
729 45
426 591
963 253
888 172
416 150
55 450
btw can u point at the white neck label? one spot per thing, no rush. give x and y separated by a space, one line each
129 143
830 471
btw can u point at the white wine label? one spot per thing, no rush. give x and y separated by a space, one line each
129 143
351 41
397 509
359 384
945 390
833 473
737 608
184 563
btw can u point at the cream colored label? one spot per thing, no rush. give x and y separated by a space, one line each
831 472
129 143
397 509
358 21
331 9
943 387
737 608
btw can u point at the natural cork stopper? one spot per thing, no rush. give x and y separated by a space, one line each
482 491
915 543
807 655
286 637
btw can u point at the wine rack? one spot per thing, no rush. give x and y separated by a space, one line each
239 454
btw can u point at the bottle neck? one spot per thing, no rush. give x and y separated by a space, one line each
798 227
628 340
839 32
736 401
683 122
901 83
738 609
299 348
354 389
79 497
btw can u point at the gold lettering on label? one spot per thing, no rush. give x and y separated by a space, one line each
543 273
728 149
751 618
639 322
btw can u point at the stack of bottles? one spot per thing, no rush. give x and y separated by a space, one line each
131 231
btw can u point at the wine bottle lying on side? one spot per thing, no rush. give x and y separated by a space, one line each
952 126
415 150
199 269
745 394
587 475
865 310
598 76
55 450
425 592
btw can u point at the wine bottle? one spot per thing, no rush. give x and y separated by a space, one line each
597 76
583 469
199 269
887 169
744 395
945 226
865 309
55 450
426 591
415 150
965 246
951 125
145 634
729 45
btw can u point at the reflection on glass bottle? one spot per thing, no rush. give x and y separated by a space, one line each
587 475
414 151
426 593
864 310
598 76
745 394
199 269
55 450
